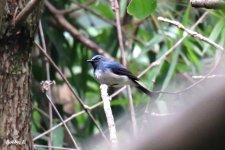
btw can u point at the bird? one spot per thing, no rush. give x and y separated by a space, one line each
114 74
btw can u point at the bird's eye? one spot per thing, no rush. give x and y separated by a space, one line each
97 59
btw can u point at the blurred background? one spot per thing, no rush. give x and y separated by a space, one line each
75 30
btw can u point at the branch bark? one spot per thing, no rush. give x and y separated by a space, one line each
211 4
109 115
26 11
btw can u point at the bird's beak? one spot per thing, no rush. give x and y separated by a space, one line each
89 60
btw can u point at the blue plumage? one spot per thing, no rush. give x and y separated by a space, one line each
112 73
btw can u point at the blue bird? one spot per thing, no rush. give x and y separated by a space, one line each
114 74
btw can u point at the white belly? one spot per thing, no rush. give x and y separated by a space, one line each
111 79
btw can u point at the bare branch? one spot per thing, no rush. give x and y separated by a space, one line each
95 13
109 116
26 11
76 34
48 78
211 4
159 61
46 83
68 11
115 8
58 125
192 33
53 147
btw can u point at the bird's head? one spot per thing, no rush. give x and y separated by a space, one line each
97 60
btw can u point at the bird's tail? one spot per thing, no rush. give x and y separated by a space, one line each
142 88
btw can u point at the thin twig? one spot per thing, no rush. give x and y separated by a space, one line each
61 119
192 33
199 36
73 91
164 56
95 13
77 114
26 11
58 125
109 116
210 72
132 111
76 34
48 78
115 8
159 61
68 11
41 111
209 4
46 86
54 147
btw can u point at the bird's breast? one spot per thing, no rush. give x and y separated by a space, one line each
110 78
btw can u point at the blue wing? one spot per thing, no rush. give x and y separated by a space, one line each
120 70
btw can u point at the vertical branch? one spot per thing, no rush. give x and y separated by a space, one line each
45 86
132 112
49 93
109 115
60 117
115 7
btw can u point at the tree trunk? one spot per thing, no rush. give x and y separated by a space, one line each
15 74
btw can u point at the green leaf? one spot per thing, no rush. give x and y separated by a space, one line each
186 17
102 8
37 119
214 34
141 8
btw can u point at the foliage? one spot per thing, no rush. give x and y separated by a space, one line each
141 9
145 41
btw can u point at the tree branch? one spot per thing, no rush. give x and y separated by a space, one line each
211 4
192 33
115 8
45 83
49 92
109 116
159 61
26 11
53 147
76 34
